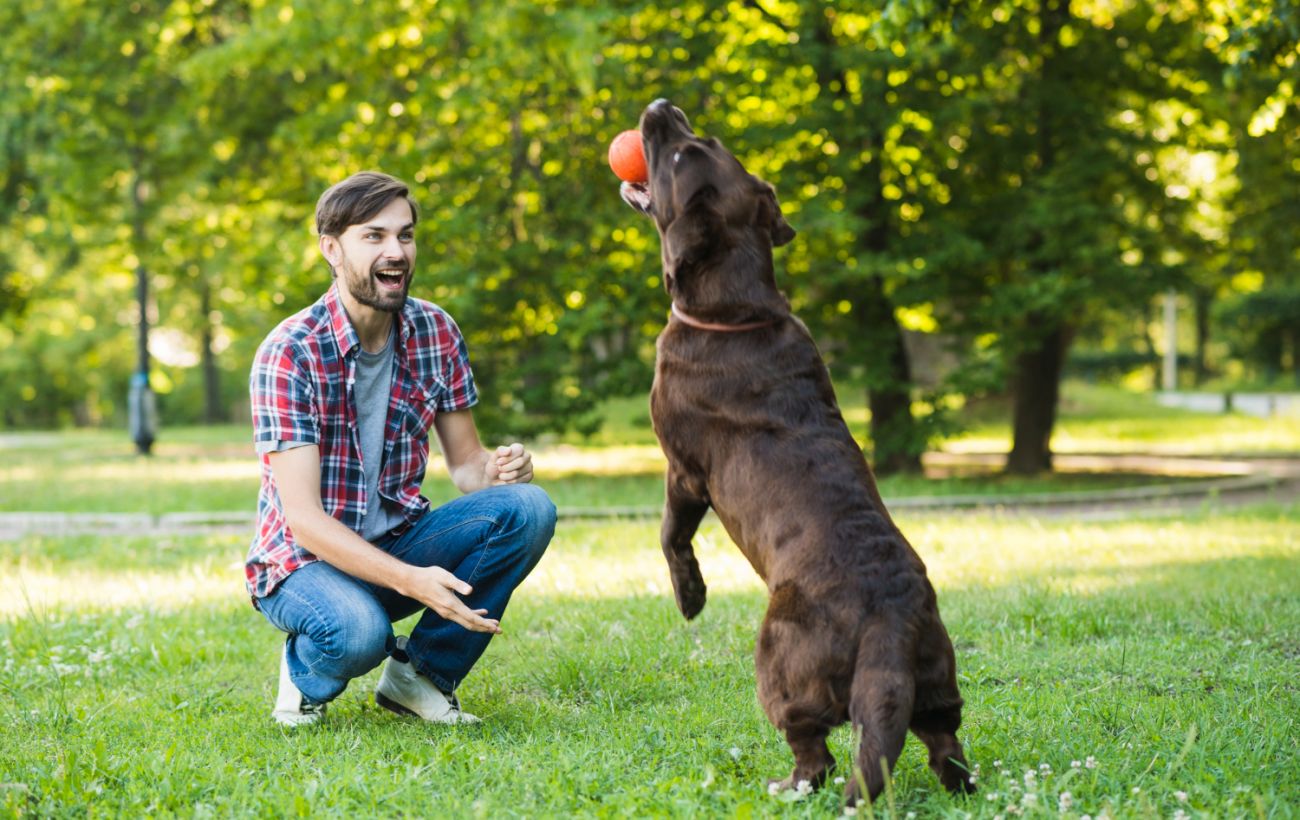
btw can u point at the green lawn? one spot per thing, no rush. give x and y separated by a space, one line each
1159 654
136 680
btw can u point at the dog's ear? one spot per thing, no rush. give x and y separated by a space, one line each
687 240
770 216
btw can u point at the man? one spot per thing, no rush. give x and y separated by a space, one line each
344 395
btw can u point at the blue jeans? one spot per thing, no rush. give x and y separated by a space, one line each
341 627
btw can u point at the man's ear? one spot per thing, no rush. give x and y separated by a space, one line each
330 249
770 216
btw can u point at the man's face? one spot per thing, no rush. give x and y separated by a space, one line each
376 259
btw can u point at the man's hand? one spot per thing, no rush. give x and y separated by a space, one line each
509 465
437 589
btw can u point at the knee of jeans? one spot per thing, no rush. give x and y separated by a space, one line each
360 642
534 512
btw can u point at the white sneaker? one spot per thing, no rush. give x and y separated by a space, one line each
405 691
291 708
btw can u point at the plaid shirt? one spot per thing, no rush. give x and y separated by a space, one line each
302 391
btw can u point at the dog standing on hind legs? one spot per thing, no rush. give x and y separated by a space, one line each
746 415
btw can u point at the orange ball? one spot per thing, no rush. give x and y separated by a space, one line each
626 157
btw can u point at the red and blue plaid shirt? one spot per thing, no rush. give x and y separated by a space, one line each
301 387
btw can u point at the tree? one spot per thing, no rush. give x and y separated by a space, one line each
1055 189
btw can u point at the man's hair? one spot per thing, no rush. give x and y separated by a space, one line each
358 198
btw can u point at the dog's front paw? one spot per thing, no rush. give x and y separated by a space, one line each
691 591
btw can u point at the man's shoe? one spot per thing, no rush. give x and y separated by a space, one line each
405 691
291 707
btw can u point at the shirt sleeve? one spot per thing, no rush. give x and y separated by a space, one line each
456 374
282 399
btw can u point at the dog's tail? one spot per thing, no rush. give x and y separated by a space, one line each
880 703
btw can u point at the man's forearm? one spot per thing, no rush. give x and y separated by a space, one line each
340 547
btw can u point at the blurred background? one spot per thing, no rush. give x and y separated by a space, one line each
991 197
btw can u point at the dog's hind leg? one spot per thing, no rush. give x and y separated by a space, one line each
683 511
795 667
937 729
938 709
880 707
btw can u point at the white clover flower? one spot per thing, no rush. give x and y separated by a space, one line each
1074 764
773 788
1065 801
839 781
1179 814
1181 796
1030 799
803 788
1137 789
997 764
849 811
1031 778
1090 763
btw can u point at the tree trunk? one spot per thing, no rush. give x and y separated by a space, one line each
1036 379
1201 307
889 381
893 429
213 412
1036 387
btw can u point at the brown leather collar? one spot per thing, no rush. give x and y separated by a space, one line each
691 321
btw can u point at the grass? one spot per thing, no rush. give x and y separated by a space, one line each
1160 654
137 680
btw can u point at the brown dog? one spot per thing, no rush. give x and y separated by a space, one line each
745 412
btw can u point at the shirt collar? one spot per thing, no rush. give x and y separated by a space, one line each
346 335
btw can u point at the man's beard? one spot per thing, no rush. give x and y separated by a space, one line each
365 288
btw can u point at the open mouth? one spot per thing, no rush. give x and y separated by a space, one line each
636 194
390 278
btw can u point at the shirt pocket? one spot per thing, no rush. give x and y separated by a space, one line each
421 408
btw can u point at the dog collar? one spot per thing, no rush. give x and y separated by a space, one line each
701 325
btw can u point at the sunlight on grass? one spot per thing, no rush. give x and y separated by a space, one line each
614 561
1097 418
559 461
188 472
24 591
1079 557
617 560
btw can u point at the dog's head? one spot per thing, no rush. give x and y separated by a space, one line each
701 198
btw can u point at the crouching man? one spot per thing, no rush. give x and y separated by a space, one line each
344 395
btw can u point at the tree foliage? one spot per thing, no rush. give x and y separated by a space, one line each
998 178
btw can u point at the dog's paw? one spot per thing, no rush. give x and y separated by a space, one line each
691 593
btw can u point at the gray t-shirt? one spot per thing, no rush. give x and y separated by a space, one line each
372 390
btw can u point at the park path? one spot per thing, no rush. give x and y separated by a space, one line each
1224 481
